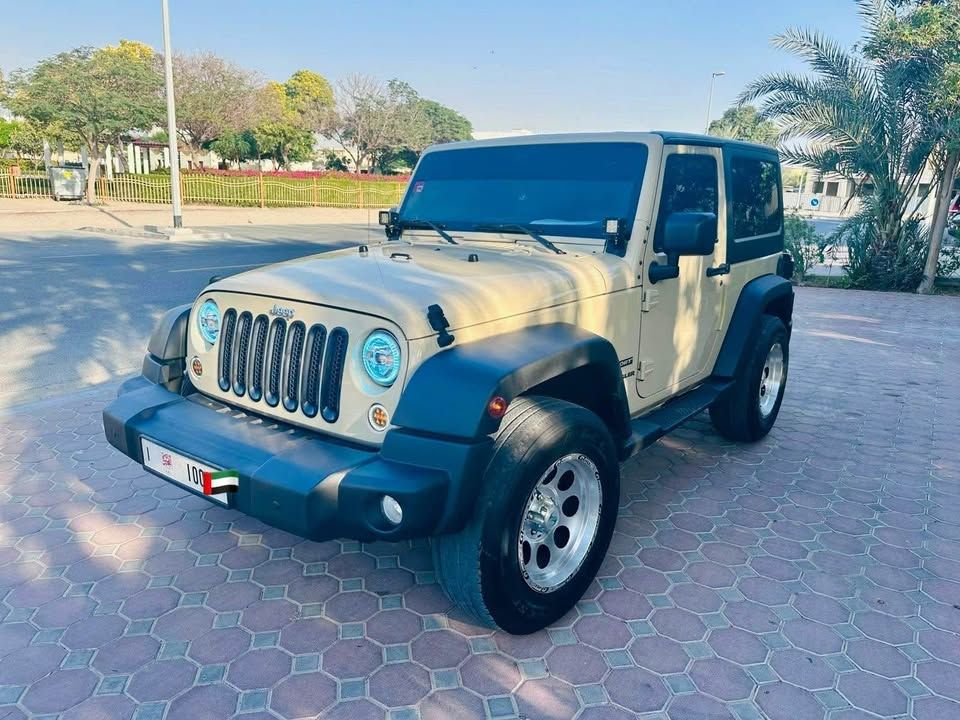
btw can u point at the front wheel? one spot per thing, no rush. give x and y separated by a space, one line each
748 410
543 520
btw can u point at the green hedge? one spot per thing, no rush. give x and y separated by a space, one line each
254 191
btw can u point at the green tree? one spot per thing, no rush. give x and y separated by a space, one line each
926 34
861 118
235 146
333 161
446 124
93 95
7 128
213 96
388 124
286 114
309 96
743 122
280 133
26 140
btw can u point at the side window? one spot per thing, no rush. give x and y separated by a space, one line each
689 185
755 191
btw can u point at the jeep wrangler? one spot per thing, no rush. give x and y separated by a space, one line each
541 308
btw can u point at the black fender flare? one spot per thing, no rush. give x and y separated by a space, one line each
767 294
449 392
165 360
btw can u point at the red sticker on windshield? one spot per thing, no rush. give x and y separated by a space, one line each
418 187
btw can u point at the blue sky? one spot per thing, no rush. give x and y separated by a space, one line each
546 66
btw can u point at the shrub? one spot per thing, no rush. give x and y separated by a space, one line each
876 262
804 243
26 165
880 262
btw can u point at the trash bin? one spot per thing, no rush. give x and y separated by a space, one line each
68 183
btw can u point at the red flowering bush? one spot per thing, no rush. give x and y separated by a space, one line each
301 175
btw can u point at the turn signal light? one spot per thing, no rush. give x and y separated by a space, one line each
378 417
497 407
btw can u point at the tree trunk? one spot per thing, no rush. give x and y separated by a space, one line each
94 150
939 225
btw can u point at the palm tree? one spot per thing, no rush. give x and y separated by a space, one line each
863 119
927 33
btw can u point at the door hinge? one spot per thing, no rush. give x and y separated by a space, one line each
719 270
648 300
644 369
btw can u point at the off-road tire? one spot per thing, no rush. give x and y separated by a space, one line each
737 413
479 567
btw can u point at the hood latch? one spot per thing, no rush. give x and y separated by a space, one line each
438 321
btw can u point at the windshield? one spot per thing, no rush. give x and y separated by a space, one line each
560 189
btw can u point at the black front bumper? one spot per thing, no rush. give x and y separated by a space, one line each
304 482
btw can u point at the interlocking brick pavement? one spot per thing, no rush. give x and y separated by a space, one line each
813 575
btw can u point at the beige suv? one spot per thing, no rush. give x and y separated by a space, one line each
541 308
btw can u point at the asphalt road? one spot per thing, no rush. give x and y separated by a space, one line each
76 309
825 226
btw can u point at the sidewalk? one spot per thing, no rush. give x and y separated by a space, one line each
40 215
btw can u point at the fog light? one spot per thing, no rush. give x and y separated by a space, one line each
378 417
391 510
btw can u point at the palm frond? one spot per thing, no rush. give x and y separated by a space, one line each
876 13
832 61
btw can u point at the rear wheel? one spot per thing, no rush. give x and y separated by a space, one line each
543 521
747 411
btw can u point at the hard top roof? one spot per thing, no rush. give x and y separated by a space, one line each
667 137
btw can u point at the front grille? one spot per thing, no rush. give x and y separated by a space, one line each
311 371
260 326
228 329
283 364
333 374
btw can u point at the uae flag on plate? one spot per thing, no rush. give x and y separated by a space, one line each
222 481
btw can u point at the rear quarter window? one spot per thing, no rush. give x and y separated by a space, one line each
756 204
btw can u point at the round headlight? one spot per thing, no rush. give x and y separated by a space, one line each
381 357
208 320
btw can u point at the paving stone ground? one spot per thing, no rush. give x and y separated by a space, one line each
813 575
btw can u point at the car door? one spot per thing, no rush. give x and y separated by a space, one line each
679 330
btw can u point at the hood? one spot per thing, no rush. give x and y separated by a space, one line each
399 281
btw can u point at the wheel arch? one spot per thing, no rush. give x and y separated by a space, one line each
765 295
165 360
448 393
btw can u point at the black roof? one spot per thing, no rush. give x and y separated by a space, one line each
680 138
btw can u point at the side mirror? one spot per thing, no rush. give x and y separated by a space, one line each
684 233
690 233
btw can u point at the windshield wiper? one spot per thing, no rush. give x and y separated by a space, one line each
438 229
511 228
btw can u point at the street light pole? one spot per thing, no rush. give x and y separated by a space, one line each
171 119
713 80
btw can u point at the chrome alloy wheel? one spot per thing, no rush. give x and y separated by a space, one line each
771 381
560 522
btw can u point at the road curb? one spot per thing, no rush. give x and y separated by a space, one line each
153 232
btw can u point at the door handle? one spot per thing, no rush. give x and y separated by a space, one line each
718 270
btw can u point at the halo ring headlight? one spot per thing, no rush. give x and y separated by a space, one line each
208 321
380 356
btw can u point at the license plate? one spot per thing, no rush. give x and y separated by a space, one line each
174 466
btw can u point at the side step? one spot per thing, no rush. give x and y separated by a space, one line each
649 428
